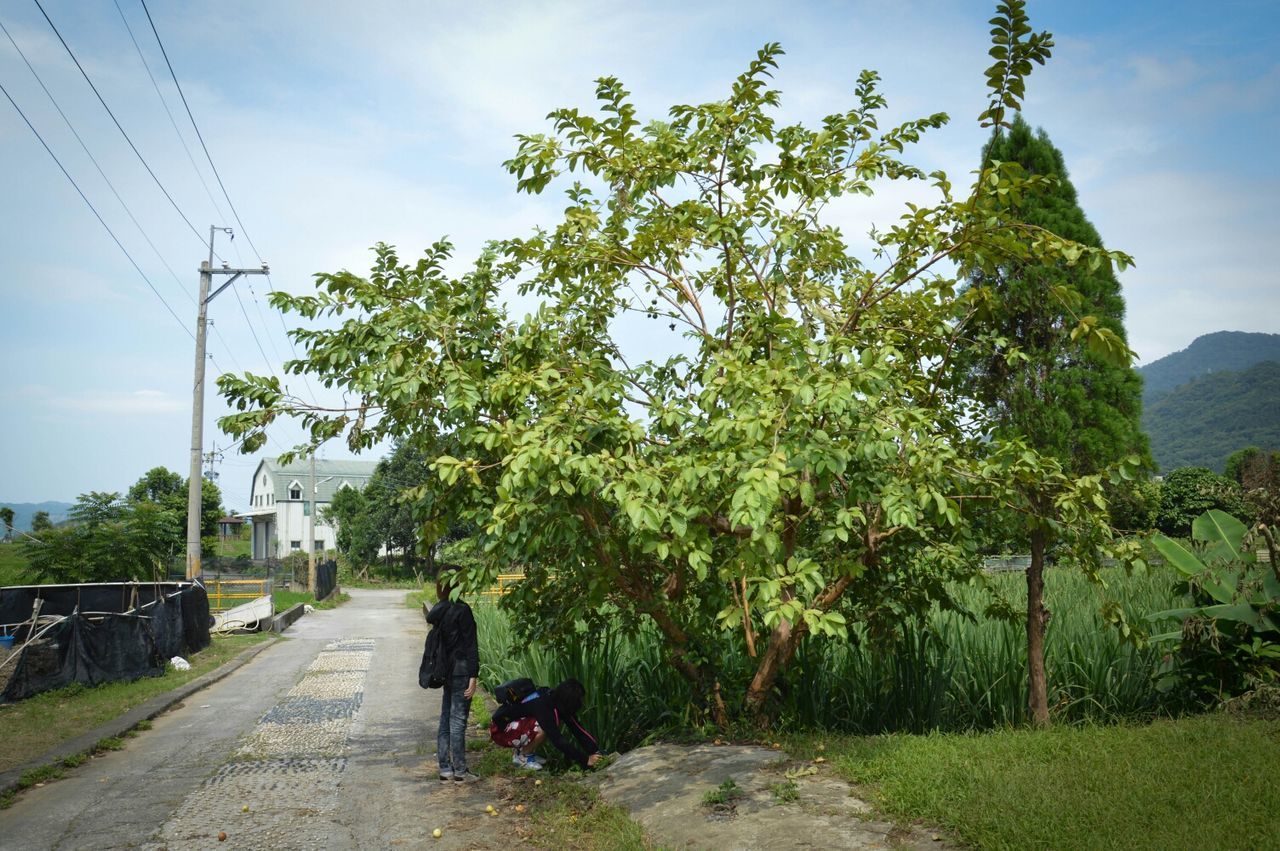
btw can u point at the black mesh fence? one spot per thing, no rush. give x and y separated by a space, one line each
326 579
94 634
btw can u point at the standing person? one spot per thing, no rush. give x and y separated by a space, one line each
525 726
463 654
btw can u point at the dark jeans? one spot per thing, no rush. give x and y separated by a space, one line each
451 737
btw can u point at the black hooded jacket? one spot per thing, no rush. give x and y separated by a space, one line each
549 718
460 644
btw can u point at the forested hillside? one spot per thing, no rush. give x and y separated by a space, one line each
1223 351
1203 421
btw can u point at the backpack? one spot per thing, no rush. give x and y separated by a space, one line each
514 691
434 670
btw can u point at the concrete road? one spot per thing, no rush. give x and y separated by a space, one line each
322 741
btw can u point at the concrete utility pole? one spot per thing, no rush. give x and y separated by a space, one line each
194 500
311 550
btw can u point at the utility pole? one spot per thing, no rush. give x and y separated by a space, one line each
311 550
194 500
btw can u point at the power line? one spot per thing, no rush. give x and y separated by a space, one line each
119 127
173 74
252 331
199 135
94 160
96 214
172 122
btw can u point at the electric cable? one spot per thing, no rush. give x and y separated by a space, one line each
173 74
119 127
172 121
95 162
199 135
96 214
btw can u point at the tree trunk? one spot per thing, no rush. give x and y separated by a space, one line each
1037 619
777 653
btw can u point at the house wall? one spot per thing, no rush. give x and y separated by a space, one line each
293 524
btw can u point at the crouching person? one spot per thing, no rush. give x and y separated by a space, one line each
525 726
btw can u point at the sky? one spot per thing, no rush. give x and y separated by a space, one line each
334 126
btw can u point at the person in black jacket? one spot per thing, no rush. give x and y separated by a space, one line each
463 652
525 726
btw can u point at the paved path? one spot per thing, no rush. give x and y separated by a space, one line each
322 741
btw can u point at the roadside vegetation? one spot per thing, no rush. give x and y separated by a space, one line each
283 600
15 567
78 709
551 809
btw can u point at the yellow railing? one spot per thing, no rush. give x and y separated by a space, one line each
505 581
228 593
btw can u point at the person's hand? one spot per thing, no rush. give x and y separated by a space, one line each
592 760
470 689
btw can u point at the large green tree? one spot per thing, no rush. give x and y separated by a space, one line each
1036 375
168 490
105 539
785 455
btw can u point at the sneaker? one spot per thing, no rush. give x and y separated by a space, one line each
446 774
529 762
464 777
538 759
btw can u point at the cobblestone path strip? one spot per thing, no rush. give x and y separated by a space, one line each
283 780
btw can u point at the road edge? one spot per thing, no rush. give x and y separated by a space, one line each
86 743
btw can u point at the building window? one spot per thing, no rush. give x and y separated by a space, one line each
271 499
295 491
295 545
319 545
264 481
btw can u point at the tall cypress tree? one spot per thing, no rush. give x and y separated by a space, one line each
1059 397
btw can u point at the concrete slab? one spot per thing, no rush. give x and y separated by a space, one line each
663 787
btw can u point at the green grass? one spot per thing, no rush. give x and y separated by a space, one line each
38 724
283 600
1207 782
424 594
14 567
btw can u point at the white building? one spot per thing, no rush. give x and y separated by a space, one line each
281 499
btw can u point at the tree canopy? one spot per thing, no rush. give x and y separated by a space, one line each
788 453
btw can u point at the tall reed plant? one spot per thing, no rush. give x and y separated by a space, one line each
945 670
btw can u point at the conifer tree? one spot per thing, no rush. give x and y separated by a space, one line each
1077 403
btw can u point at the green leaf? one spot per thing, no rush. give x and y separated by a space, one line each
1222 532
1177 555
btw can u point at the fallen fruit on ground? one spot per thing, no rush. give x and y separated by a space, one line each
488 808
519 808
222 836
437 833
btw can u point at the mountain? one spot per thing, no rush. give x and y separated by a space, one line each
1224 351
1201 422
23 511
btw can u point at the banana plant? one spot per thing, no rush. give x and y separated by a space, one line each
1235 626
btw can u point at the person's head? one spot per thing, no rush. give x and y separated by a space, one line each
447 579
568 696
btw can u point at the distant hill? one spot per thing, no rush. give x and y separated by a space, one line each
1203 421
1224 351
23 512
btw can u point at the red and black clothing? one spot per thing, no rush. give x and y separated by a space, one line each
549 717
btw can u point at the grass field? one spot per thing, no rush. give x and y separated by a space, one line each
286 599
35 725
1206 782
13 566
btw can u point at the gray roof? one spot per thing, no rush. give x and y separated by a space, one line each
329 475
